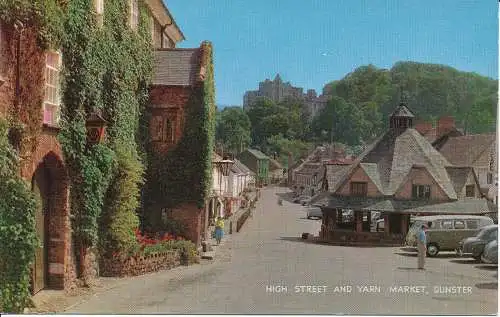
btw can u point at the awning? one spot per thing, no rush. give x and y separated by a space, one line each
383 204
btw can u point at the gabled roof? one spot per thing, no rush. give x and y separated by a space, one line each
258 154
402 111
389 160
176 67
243 167
469 150
458 176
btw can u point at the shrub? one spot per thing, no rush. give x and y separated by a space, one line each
17 230
119 218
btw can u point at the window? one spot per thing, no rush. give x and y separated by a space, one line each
134 14
162 129
446 224
421 191
359 188
169 134
51 106
459 224
469 191
489 178
472 224
99 10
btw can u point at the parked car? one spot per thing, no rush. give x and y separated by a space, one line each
490 254
474 246
299 199
446 231
314 212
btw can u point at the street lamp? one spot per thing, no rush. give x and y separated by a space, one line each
96 128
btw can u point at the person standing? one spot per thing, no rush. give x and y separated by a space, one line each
422 246
219 229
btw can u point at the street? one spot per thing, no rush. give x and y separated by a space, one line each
267 268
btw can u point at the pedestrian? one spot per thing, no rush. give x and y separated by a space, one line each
219 229
422 246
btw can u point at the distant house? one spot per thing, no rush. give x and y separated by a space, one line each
276 173
258 163
399 175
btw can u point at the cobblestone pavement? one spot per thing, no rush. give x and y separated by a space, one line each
267 252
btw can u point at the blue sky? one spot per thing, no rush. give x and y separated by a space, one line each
312 42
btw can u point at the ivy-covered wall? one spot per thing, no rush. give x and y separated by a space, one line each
106 68
183 175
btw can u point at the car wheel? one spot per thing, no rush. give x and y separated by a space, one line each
477 257
432 249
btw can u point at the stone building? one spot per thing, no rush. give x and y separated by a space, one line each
278 91
399 175
31 95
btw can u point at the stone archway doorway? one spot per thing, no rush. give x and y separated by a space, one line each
50 185
40 185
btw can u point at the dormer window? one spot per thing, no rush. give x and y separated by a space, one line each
421 191
52 100
469 191
134 14
99 10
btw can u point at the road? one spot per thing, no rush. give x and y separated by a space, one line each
267 253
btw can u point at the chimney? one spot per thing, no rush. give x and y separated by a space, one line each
445 124
423 127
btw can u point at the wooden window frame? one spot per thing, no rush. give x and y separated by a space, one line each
470 191
358 189
52 87
421 191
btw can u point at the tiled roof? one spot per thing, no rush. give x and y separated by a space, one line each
243 167
402 111
309 168
258 154
458 176
389 160
176 67
469 150
463 206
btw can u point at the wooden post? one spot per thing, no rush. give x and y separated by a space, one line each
358 216
386 224
404 223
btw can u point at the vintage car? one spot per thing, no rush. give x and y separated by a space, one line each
474 246
444 232
490 254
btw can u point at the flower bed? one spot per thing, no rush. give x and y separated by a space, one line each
151 255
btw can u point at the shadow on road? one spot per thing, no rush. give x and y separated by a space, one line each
487 267
465 261
409 269
492 285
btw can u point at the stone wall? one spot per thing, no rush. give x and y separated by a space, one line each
138 265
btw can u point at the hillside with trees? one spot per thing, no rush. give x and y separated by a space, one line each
358 109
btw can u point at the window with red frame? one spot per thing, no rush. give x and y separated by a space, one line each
52 100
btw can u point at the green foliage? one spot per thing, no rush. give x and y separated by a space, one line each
119 218
282 146
186 180
233 129
109 68
431 90
17 230
269 119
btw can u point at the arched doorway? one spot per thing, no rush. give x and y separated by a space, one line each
40 185
50 185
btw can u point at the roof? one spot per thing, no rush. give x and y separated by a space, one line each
469 150
458 176
309 168
402 111
176 67
436 217
243 167
258 154
384 204
161 12
389 160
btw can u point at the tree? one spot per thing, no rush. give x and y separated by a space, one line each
233 129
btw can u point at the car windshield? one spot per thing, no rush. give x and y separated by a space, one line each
483 233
